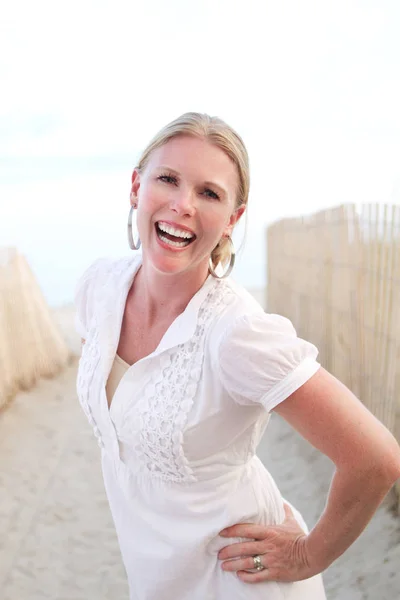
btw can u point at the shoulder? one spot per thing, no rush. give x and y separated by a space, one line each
92 272
102 269
258 355
102 274
241 313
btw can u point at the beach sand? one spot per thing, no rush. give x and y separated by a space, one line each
56 534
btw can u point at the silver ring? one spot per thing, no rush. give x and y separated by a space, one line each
257 563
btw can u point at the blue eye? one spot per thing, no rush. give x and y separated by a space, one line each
211 194
168 179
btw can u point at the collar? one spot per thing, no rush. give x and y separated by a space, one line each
181 329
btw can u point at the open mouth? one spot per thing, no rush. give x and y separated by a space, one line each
173 236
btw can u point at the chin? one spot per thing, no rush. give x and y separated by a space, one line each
178 265
170 266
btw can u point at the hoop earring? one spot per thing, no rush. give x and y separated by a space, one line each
230 266
133 245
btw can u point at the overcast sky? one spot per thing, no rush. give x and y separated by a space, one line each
313 87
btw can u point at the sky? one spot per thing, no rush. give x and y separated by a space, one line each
313 87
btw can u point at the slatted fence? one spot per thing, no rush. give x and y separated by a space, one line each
336 275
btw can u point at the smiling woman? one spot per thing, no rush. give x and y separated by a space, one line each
190 186
179 373
215 132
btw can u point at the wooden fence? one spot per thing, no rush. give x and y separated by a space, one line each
31 345
336 275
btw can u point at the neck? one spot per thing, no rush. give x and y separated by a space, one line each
165 296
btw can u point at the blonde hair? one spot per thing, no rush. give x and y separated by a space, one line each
218 133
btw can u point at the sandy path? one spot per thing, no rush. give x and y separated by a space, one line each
56 535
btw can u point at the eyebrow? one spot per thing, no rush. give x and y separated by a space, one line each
211 184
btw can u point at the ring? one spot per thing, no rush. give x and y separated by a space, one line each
257 563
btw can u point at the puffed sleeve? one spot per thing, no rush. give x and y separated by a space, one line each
262 360
83 297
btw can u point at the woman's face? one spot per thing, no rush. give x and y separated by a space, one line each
186 198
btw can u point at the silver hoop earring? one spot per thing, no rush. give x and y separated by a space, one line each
230 266
133 245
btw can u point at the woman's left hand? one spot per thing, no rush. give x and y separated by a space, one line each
281 548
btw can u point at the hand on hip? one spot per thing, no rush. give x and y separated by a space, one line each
273 553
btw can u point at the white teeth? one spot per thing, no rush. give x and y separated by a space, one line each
171 243
175 232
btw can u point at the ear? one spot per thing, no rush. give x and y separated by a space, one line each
135 186
234 218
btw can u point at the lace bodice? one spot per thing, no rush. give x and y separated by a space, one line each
204 382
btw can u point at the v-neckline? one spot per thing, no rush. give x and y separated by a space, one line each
122 361
186 330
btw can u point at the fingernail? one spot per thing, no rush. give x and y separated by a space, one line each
223 532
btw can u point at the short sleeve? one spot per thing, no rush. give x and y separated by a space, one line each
262 360
83 297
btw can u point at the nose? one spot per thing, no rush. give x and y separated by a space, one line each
183 204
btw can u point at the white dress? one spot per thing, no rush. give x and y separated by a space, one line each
178 443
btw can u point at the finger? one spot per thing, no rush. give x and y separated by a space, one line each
258 576
246 530
240 564
240 549
288 511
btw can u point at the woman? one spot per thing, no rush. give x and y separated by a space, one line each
179 373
